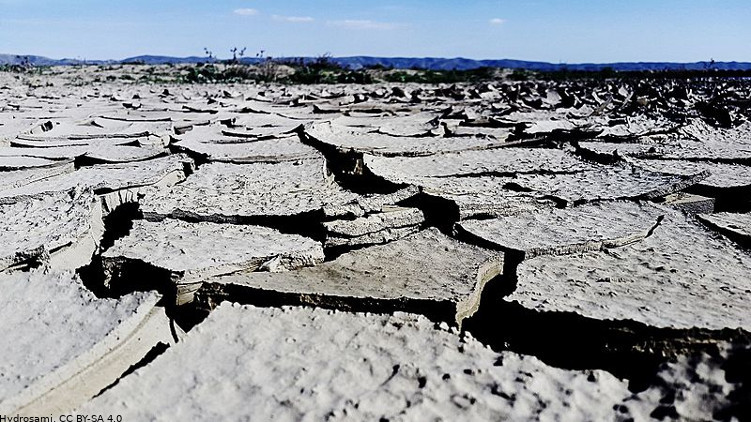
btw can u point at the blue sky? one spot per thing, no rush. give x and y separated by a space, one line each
546 30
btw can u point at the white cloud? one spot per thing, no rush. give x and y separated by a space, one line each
363 24
497 21
245 12
294 19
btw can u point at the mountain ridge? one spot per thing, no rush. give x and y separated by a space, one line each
429 63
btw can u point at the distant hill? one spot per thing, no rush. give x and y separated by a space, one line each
45 61
466 64
163 60
431 63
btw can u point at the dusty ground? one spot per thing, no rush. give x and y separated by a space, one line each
576 250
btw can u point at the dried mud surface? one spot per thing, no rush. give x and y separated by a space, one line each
523 250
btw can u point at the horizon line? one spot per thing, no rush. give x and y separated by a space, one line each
85 59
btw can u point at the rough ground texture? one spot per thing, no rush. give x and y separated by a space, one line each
553 231
221 191
721 175
57 324
192 252
17 178
363 205
592 235
345 139
66 223
390 224
109 177
426 267
734 226
397 367
186 248
217 143
581 183
506 161
681 277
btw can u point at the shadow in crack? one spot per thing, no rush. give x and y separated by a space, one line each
348 168
735 199
118 223
627 349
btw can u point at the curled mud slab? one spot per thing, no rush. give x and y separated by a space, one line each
681 276
344 139
20 163
732 148
736 226
502 161
18 178
426 269
60 229
391 224
363 205
223 192
85 154
606 184
553 231
65 345
110 177
721 175
258 151
187 253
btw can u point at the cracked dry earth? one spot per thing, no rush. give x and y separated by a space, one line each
507 250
